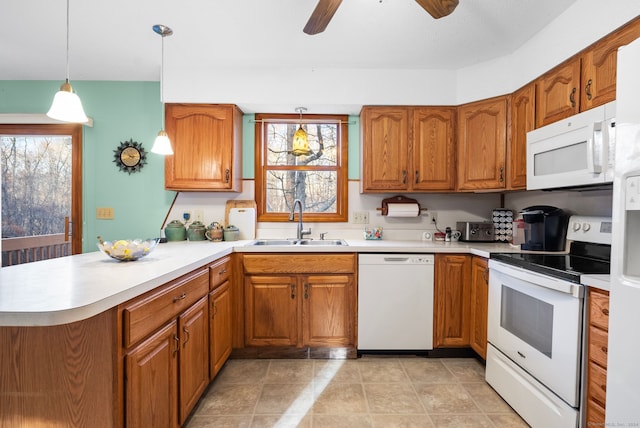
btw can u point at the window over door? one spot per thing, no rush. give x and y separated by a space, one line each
41 183
318 179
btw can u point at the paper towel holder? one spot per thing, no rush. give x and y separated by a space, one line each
398 200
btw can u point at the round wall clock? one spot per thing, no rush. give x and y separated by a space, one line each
130 156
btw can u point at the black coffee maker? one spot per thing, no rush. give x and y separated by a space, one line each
545 228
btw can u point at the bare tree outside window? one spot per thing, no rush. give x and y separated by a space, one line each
317 179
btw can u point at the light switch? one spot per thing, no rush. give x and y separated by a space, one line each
104 213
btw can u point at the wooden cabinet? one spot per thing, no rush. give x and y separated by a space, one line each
482 145
584 81
300 300
452 300
597 350
220 313
207 146
479 302
193 357
599 62
408 148
522 121
557 93
152 380
166 351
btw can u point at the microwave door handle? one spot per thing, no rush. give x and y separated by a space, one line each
594 142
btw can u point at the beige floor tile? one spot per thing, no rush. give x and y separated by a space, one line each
427 371
381 370
392 398
445 398
461 421
243 371
285 398
401 421
340 398
342 421
337 371
511 420
486 398
290 371
208 421
229 399
465 369
281 421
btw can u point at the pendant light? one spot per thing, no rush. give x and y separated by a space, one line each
162 144
66 105
300 138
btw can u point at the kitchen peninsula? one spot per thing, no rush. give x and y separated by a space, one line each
62 323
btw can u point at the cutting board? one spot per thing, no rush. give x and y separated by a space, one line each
242 214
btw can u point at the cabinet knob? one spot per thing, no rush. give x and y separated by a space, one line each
501 174
176 341
293 291
605 311
227 173
180 297
417 176
306 291
587 90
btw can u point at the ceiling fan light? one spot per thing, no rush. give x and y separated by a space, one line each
162 144
67 106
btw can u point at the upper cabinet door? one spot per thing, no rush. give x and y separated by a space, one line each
522 121
433 148
482 142
557 93
207 145
599 66
385 148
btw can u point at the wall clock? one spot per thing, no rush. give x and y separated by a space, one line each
130 156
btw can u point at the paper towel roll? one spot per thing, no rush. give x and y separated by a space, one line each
403 210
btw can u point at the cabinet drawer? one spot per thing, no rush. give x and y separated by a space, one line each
299 263
219 272
597 383
147 313
598 345
599 309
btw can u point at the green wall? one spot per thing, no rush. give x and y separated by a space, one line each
120 111
123 111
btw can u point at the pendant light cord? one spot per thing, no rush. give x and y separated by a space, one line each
67 41
162 79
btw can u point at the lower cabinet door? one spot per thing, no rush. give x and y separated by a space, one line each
152 381
327 308
271 310
220 335
193 327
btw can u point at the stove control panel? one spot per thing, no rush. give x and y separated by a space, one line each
589 229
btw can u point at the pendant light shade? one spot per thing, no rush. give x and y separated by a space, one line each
162 144
300 138
66 105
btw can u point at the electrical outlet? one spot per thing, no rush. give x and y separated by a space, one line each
434 217
361 217
427 236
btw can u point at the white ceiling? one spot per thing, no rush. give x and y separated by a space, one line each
113 39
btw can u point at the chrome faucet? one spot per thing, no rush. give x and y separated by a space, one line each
301 231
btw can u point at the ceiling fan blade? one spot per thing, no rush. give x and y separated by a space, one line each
321 16
438 8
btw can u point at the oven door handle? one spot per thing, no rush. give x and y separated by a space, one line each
576 290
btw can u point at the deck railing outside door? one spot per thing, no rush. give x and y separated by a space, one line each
27 249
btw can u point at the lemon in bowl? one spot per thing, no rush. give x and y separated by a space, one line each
127 249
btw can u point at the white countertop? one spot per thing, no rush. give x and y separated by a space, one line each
602 282
68 289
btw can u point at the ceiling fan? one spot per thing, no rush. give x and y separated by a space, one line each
325 9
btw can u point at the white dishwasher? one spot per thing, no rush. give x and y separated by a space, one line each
395 302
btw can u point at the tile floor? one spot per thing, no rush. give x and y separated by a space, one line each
367 392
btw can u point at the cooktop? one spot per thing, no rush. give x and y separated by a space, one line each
589 252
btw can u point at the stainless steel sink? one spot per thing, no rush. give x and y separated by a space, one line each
274 242
322 242
288 242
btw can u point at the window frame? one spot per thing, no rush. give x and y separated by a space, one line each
341 168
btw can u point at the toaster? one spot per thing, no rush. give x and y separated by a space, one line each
476 231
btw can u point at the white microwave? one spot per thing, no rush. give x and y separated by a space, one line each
573 152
